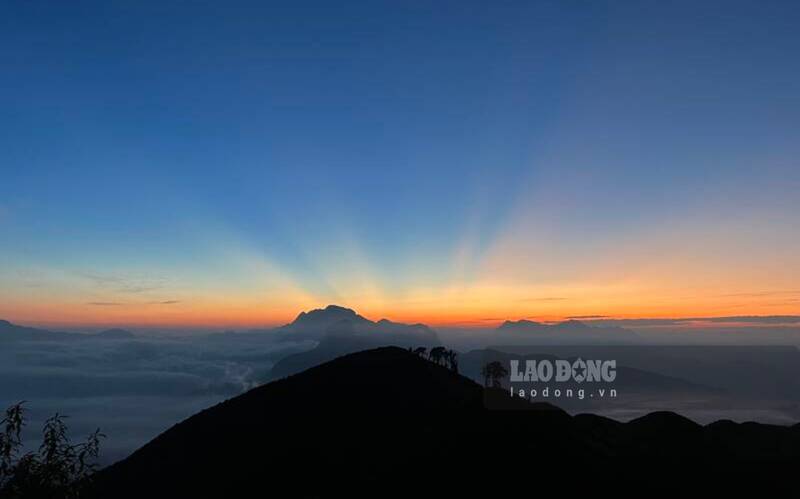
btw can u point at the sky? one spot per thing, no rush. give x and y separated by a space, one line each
230 164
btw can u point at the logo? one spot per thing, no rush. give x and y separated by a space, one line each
562 378
591 371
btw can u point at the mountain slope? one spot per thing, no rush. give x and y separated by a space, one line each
386 416
341 331
13 332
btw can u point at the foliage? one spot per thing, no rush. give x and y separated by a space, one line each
59 469
494 371
439 355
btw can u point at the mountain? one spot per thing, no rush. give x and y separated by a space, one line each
316 323
388 418
567 332
338 321
344 337
341 331
13 332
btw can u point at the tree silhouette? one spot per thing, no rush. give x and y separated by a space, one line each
437 354
451 357
494 371
421 351
59 468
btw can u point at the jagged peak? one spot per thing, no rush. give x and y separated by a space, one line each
339 308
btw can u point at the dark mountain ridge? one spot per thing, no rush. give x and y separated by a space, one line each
345 332
387 417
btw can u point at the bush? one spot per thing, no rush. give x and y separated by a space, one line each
59 469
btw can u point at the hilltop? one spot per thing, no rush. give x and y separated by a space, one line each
383 416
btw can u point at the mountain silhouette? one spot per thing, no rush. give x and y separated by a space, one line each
341 331
386 417
567 332
343 338
341 322
14 332
316 323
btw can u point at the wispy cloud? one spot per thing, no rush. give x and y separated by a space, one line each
126 284
756 319
762 294
121 304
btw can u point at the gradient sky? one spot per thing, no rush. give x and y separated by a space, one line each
233 163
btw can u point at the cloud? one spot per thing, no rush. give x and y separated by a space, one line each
762 293
639 322
682 321
126 284
546 298
121 304
754 319
134 389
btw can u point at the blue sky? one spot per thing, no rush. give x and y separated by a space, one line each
387 154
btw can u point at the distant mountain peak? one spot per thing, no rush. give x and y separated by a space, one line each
331 313
330 309
567 331
316 323
572 323
340 330
338 308
521 322
13 332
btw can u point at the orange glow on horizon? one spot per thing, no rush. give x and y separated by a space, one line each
468 311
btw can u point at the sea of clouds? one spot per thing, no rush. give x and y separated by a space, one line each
132 389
